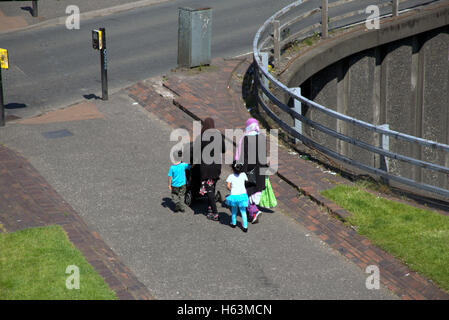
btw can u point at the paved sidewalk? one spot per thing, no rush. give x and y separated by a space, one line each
111 167
27 201
217 93
16 15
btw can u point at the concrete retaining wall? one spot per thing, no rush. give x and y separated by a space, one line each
403 82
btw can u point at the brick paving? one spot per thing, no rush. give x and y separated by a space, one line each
217 93
11 23
27 200
81 111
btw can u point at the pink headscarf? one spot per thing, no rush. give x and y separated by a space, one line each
251 129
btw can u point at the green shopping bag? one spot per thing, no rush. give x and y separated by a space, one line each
267 198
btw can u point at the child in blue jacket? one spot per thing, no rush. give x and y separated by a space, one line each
177 182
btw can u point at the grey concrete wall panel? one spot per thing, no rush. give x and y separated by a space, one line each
416 102
323 90
435 113
194 37
360 102
342 104
399 113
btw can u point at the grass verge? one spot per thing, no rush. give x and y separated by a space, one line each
418 237
33 265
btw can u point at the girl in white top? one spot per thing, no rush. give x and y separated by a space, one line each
238 198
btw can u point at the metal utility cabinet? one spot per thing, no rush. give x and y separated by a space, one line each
194 37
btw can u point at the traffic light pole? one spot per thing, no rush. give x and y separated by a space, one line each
2 105
104 67
35 10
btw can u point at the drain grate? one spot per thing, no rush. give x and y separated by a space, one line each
57 134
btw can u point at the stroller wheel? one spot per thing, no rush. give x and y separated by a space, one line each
188 198
218 197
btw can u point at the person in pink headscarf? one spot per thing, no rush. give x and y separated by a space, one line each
249 152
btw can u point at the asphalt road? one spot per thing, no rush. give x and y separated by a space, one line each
53 66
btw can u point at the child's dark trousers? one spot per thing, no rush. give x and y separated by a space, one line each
177 195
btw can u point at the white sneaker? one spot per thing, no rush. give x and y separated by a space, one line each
256 216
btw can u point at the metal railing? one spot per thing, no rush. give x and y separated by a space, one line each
305 18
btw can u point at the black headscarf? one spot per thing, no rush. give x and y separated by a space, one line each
208 124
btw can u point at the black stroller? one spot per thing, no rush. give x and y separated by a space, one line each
193 187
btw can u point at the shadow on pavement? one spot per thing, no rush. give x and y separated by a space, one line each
29 9
168 203
200 207
91 96
15 106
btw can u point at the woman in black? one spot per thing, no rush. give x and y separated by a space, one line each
210 172
248 152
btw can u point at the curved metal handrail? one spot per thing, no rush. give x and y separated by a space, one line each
261 72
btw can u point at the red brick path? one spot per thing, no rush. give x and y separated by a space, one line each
217 93
27 200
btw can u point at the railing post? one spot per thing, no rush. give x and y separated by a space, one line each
324 16
297 106
385 145
395 10
277 42
265 83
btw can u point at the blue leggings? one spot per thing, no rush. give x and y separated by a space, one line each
234 216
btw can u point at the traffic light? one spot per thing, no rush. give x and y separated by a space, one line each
99 43
97 39
4 59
